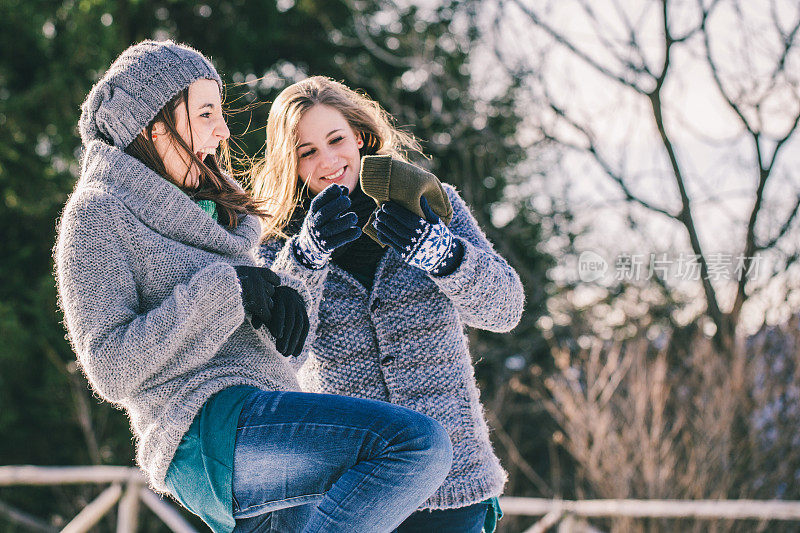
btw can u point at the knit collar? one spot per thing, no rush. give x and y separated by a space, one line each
162 206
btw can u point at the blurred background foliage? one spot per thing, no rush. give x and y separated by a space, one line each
416 58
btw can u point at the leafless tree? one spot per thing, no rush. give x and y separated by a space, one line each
744 58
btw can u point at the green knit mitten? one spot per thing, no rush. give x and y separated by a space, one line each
384 179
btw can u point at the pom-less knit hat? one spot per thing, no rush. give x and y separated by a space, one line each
137 86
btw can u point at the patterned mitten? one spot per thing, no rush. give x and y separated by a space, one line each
327 226
424 243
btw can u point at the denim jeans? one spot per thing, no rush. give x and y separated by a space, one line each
469 519
320 462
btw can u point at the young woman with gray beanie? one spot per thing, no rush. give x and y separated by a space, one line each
174 321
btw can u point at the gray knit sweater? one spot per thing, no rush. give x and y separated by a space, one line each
152 303
404 343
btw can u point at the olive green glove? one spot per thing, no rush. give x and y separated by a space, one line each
384 178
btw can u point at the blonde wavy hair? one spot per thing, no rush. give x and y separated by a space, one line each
275 178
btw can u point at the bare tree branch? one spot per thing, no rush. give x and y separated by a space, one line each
779 144
704 14
718 82
633 47
788 40
784 228
593 150
563 41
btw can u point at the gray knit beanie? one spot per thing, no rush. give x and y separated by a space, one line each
137 86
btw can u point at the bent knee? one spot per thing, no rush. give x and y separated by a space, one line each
434 442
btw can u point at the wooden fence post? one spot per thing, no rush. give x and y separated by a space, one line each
128 513
93 512
166 513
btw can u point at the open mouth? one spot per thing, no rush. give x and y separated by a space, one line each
336 175
206 153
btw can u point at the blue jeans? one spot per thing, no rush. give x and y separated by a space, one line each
320 462
469 519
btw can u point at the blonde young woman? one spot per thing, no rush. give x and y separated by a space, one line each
174 321
391 319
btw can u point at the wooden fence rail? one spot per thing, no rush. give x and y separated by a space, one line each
127 489
553 511
127 486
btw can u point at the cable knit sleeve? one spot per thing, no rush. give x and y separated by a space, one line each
278 256
485 289
120 344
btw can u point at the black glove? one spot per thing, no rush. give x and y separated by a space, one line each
289 322
258 286
327 226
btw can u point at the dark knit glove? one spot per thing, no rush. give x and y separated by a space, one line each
289 322
258 286
327 226
424 243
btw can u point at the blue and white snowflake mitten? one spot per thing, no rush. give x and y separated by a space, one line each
424 243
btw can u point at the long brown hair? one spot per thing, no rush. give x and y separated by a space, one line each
216 182
275 178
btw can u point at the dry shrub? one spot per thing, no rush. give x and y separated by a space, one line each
643 422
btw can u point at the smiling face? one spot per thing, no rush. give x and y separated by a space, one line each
202 128
327 149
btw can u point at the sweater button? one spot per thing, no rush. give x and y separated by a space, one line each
388 360
375 304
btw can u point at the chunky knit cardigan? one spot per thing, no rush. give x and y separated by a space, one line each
404 343
152 302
